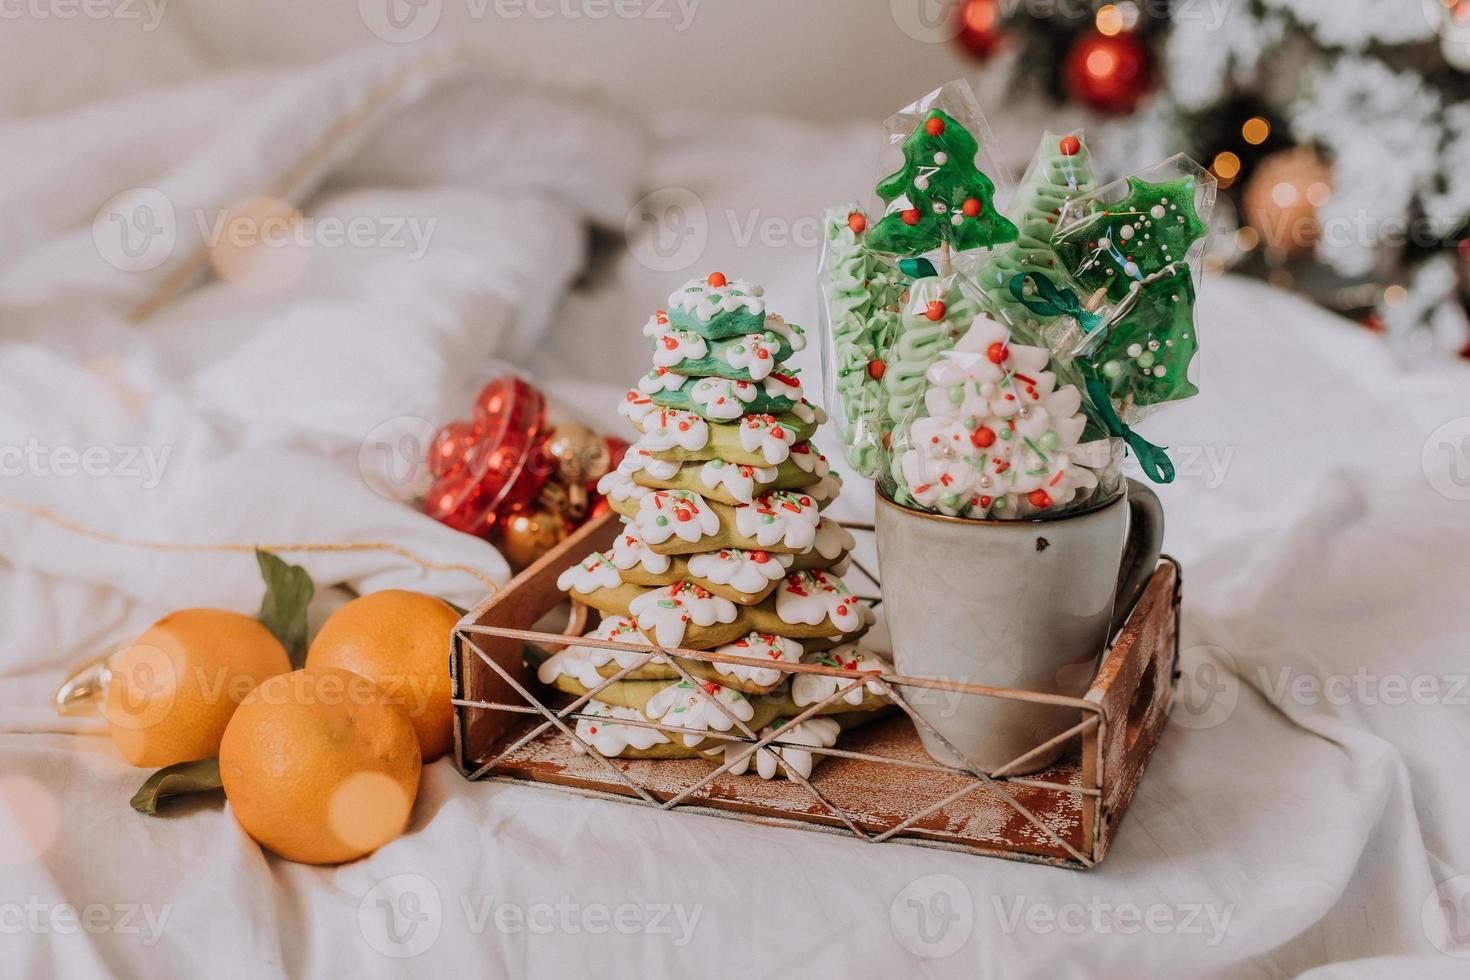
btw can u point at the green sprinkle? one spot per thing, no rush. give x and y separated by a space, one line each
956 394
1050 439
661 521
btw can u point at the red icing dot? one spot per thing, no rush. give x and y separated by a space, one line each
997 352
1039 498
716 279
1070 146
759 557
762 355
935 310
857 223
934 126
876 369
983 437
683 426
910 217
971 207
670 343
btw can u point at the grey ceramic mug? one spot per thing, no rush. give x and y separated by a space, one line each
1028 605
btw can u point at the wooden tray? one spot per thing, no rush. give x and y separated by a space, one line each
877 785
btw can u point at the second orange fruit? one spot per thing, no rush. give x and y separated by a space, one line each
399 640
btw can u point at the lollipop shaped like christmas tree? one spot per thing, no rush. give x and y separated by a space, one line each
949 202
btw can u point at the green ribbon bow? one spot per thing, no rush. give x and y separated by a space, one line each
917 268
1051 301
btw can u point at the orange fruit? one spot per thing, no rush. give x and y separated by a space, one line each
400 640
320 765
172 691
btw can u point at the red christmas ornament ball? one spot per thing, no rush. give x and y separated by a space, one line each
451 447
910 216
507 408
980 32
971 207
1109 74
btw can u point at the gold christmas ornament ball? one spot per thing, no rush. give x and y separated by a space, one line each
580 455
526 536
1281 200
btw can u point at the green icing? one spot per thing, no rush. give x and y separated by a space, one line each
862 293
682 398
1125 242
1053 179
939 192
1156 333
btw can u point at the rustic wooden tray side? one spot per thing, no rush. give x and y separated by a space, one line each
878 784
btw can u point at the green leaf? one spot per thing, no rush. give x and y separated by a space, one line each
178 779
288 591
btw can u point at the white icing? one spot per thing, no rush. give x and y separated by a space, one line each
743 571
636 460
784 385
635 406
811 688
672 345
809 460
782 517
832 539
603 732
794 336
618 485
759 645
770 437
669 428
594 572
814 597
722 398
816 732
755 354
630 550
808 413
826 489
572 662
669 610
660 379
675 513
706 708
739 479
623 630
704 301
1001 438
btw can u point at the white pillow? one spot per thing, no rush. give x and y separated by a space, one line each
58 54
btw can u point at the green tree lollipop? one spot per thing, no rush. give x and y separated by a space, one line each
950 201
1119 244
1144 358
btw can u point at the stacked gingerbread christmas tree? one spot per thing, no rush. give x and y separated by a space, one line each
724 547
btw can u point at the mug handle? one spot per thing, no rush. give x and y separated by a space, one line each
1140 552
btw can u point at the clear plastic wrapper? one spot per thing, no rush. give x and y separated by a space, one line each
1131 251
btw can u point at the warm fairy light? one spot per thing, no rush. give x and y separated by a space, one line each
1101 63
1130 13
980 18
1284 194
1395 295
1109 20
1247 239
1255 130
1318 193
1226 165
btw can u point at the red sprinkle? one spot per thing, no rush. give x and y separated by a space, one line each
716 279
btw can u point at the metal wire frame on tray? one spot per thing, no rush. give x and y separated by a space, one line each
888 684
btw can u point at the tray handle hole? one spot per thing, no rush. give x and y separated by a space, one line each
1143 696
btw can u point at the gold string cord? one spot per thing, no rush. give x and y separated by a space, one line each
51 517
